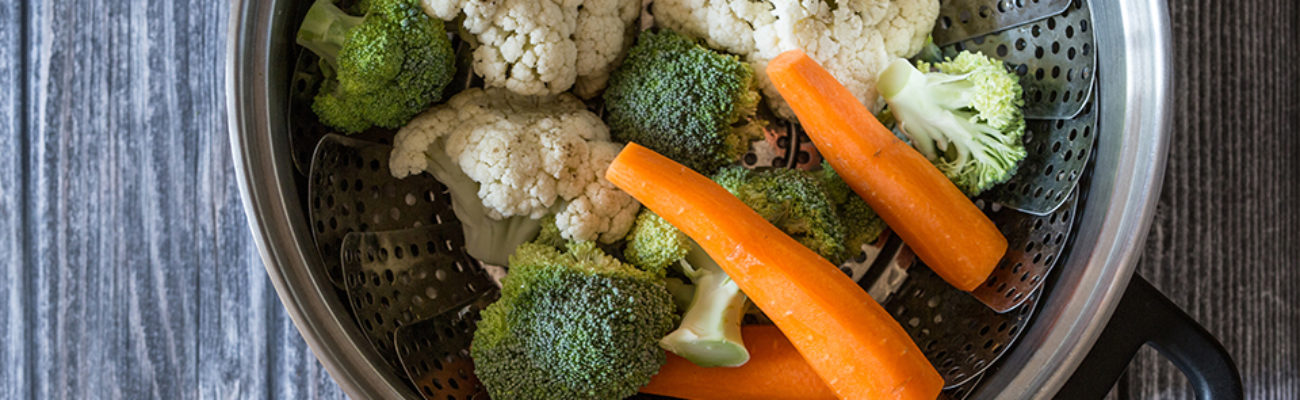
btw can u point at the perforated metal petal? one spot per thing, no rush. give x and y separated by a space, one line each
961 392
1058 152
350 190
435 353
397 278
964 19
305 130
859 266
1055 59
1034 245
774 151
958 334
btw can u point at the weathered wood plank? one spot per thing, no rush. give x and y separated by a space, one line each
1224 244
235 296
248 347
296 372
13 315
144 278
111 175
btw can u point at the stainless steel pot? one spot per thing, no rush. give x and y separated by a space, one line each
1134 53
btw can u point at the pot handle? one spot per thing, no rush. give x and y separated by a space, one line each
1145 316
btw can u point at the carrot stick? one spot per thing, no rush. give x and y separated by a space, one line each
848 339
775 371
941 225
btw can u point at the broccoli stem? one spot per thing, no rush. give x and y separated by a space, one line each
487 239
325 28
907 88
709 334
682 292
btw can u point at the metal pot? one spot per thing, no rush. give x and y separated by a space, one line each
1093 316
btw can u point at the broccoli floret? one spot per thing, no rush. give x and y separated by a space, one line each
381 69
487 239
654 244
861 224
683 100
577 324
709 334
550 234
963 114
793 200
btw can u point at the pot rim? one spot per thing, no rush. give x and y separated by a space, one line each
1134 55
274 211
1134 70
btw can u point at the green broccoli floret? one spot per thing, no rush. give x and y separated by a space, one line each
683 100
793 200
709 334
653 244
577 324
861 224
550 234
381 69
963 114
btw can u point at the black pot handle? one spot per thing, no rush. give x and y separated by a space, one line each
1145 316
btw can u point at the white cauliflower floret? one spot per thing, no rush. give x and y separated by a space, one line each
853 39
602 209
529 155
543 47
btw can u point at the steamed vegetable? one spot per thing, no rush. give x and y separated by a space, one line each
775 371
382 68
809 206
816 208
654 245
488 239
861 224
964 114
530 156
709 334
679 98
544 47
844 335
572 324
937 221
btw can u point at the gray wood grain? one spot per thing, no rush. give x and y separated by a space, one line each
13 376
128 270
132 273
1225 243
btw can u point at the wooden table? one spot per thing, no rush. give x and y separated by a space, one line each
129 271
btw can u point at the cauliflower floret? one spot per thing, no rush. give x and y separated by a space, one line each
853 39
602 210
599 43
543 47
529 155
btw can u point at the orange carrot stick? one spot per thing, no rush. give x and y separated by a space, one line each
848 339
775 371
934 218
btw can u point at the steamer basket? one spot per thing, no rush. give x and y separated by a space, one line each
372 269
